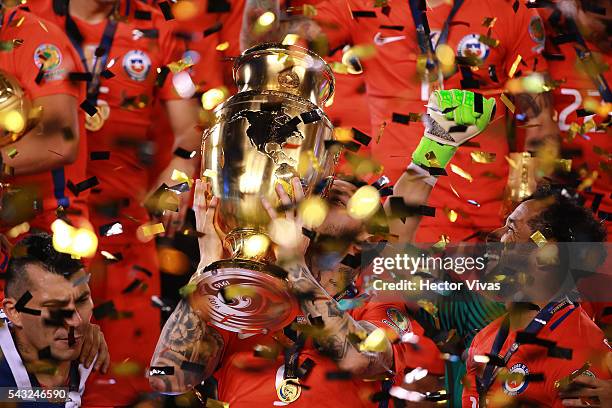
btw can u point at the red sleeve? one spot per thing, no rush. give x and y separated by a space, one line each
391 318
45 45
588 344
171 50
470 394
522 33
335 19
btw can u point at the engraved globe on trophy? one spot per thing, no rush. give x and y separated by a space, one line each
272 130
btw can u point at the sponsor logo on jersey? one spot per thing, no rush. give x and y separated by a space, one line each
137 65
470 46
536 32
49 57
380 40
517 379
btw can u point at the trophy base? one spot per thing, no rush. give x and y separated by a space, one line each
244 296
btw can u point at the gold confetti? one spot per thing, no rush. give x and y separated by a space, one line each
255 246
223 46
509 104
482 157
44 27
538 238
149 230
460 172
375 342
491 42
210 173
180 65
432 159
363 203
454 191
451 214
381 130
17 230
291 39
313 211
565 165
338 67
343 134
180 176
212 403
12 153
213 97
108 256
514 66
266 19
588 181
188 289
489 22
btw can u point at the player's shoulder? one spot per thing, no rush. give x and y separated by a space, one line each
575 323
487 331
31 26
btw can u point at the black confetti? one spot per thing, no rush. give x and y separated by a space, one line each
88 107
83 185
132 286
493 73
45 354
100 155
151 33
457 128
57 317
80 76
40 75
392 27
305 368
20 306
161 370
164 6
352 261
184 154
515 6
218 6
213 29
363 13
143 270
107 74
142 15
401 210
161 76
361 137
193 367
103 310
310 116
338 375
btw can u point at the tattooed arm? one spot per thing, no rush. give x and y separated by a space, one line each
188 346
250 34
340 333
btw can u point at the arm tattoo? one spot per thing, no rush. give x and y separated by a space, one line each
186 339
340 334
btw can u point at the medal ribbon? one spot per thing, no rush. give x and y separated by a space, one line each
101 54
534 327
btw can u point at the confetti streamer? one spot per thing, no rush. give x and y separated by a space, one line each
509 104
460 172
482 157
514 66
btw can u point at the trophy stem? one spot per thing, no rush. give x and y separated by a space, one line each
242 245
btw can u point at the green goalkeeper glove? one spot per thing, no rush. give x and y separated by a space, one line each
453 117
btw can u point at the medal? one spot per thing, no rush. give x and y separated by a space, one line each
289 390
96 122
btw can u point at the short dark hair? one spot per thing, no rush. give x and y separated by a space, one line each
564 219
36 249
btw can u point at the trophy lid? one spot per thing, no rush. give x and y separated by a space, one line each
285 68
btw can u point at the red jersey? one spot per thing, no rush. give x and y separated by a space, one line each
142 44
395 90
570 328
248 381
43 41
590 150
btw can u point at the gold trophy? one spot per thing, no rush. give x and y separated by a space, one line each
272 130
521 180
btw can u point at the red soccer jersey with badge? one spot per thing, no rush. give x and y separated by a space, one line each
43 42
570 328
588 151
143 42
395 89
249 381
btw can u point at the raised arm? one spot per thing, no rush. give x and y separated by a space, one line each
189 347
252 34
446 109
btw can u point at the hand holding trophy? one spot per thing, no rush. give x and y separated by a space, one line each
272 131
